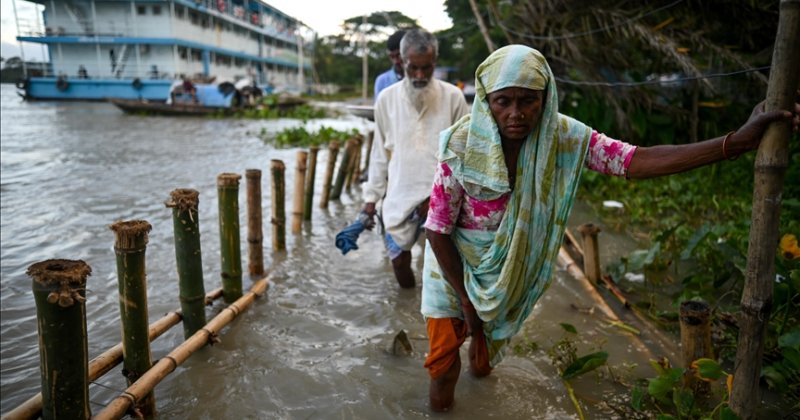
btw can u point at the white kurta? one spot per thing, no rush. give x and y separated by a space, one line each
403 157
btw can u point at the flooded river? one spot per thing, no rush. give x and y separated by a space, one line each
316 346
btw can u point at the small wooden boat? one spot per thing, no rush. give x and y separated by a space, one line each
136 106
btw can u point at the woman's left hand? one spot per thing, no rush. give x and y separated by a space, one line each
749 135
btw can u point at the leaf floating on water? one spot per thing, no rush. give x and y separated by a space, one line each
585 364
401 346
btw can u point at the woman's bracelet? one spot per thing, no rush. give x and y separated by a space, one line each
724 141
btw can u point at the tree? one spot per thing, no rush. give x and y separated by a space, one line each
338 58
601 42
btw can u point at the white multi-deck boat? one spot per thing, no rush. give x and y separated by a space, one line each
101 49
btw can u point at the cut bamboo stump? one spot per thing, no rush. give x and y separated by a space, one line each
355 167
299 196
104 362
167 364
59 289
310 179
344 166
368 151
695 320
255 229
278 205
230 241
591 257
130 246
188 257
333 151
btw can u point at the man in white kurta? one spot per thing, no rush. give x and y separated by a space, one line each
409 116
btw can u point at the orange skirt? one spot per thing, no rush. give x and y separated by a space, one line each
445 336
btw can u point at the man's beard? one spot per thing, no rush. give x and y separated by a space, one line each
417 95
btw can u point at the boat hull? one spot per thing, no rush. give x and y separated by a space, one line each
75 89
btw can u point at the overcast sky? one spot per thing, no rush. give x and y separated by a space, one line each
324 16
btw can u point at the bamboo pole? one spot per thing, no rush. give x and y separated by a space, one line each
230 242
695 321
770 168
355 167
188 257
255 229
278 205
310 178
59 290
333 151
299 185
368 151
591 256
130 246
167 364
104 362
344 166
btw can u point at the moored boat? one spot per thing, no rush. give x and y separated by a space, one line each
101 49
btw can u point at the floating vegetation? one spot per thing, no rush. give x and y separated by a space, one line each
300 137
282 106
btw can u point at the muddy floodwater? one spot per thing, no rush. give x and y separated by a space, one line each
316 346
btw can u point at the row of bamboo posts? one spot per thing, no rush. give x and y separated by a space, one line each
59 288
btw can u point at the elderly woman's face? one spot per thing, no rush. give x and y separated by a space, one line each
516 111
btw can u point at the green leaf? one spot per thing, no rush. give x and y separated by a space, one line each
684 402
665 417
660 386
585 364
774 378
727 414
637 396
708 369
568 327
790 339
698 236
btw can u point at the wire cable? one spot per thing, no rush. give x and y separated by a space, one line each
657 82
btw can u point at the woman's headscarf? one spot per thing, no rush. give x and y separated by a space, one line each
505 272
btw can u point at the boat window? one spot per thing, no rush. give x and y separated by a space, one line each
156 10
141 10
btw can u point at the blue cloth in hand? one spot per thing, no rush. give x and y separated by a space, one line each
347 238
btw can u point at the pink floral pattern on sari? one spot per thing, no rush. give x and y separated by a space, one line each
609 156
450 206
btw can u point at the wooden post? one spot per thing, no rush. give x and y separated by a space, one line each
310 178
59 289
299 185
695 320
770 168
368 151
130 247
119 406
333 151
255 230
355 167
591 257
278 205
188 258
230 241
344 166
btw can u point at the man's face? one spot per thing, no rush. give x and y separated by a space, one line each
397 61
419 67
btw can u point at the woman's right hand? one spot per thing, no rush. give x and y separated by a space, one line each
474 322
